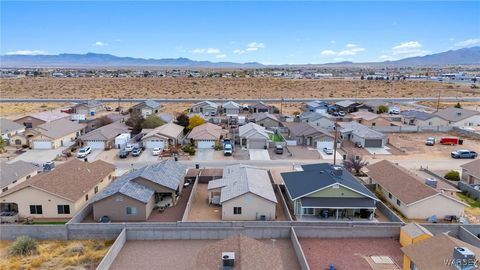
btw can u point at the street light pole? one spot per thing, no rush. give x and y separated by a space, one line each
335 143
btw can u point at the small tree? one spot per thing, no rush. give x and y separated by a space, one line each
103 121
195 121
135 122
382 109
458 105
183 120
152 121
452 175
2 145
355 164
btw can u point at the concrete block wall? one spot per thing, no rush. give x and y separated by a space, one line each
113 251
388 212
82 214
11 232
469 237
302 260
347 232
283 202
190 199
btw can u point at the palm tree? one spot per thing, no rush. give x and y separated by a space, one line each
355 164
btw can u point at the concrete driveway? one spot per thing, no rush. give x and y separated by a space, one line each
323 155
39 156
258 154
145 157
377 151
204 154
94 155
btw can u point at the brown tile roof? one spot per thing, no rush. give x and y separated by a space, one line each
59 128
431 253
398 181
70 180
207 131
473 167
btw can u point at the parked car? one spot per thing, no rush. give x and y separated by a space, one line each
335 114
227 149
328 150
464 154
136 151
430 141
129 147
83 152
108 108
48 166
278 149
341 113
156 151
123 153
104 219
394 110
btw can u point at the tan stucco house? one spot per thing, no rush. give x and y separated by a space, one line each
14 173
471 172
51 135
370 119
409 194
58 194
245 193
163 136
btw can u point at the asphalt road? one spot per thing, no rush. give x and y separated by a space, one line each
271 100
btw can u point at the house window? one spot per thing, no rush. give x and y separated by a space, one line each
373 124
86 197
28 176
4 189
389 195
237 210
96 190
307 211
398 202
63 209
36 209
131 211
110 177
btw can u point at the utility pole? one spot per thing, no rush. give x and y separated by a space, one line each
281 107
335 143
438 100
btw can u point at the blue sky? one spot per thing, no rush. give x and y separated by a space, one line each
266 32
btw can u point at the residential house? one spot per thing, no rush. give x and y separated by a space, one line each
260 107
9 128
362 107
362 135
166 117
318 119
307 134
471 172
347 106
89 108
266 120
415 118
206 135
133 196
245 193
58 194
436 251
55 134
104 137
33 120
205 108
14 173
328 192
253 136
370 119
146 108
316 106
163 136
231 108
410 195
459 117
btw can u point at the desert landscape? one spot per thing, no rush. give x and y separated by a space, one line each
205 88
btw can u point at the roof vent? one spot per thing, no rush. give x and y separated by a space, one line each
337 170
459 113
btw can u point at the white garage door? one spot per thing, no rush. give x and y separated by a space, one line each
155 144
323 144
257 144
42 145
96 144
67 142
206 144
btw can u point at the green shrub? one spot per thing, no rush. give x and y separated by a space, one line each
452 175
189 149
382 109
23 246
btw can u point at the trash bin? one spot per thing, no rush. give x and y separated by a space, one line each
344 157
197 166
460 141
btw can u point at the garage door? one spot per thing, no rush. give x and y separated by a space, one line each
206 144
42 145
258 144
323 144
67 142
373 143
155 144
96 144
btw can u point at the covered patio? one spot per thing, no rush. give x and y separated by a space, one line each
336 208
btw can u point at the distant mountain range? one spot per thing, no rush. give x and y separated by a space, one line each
465 56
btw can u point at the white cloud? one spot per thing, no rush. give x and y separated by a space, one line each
213 51
333 41
468 43
220 56
100 44
206 50
408 49
251 47
27 52
328 53
238 51
350 45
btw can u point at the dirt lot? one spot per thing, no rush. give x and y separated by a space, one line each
220 87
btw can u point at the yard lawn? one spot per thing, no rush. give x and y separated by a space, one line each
276 138
474 208
78 254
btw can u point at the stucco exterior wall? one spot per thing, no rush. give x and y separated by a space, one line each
438 205
252 205
116 205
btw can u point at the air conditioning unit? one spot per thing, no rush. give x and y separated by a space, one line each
228 260
463 258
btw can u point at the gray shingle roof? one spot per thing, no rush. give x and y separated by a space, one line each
106 132
318 176
59 128
167 173
455 114
152 104
10 172
240 179
416 114
9 126
361 130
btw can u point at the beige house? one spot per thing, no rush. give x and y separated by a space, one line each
369 119
89 108
245 193
12 174
58 194
8 129
409 194
206 136
51 135
266 120
163 136
471 172
146 108
133 196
